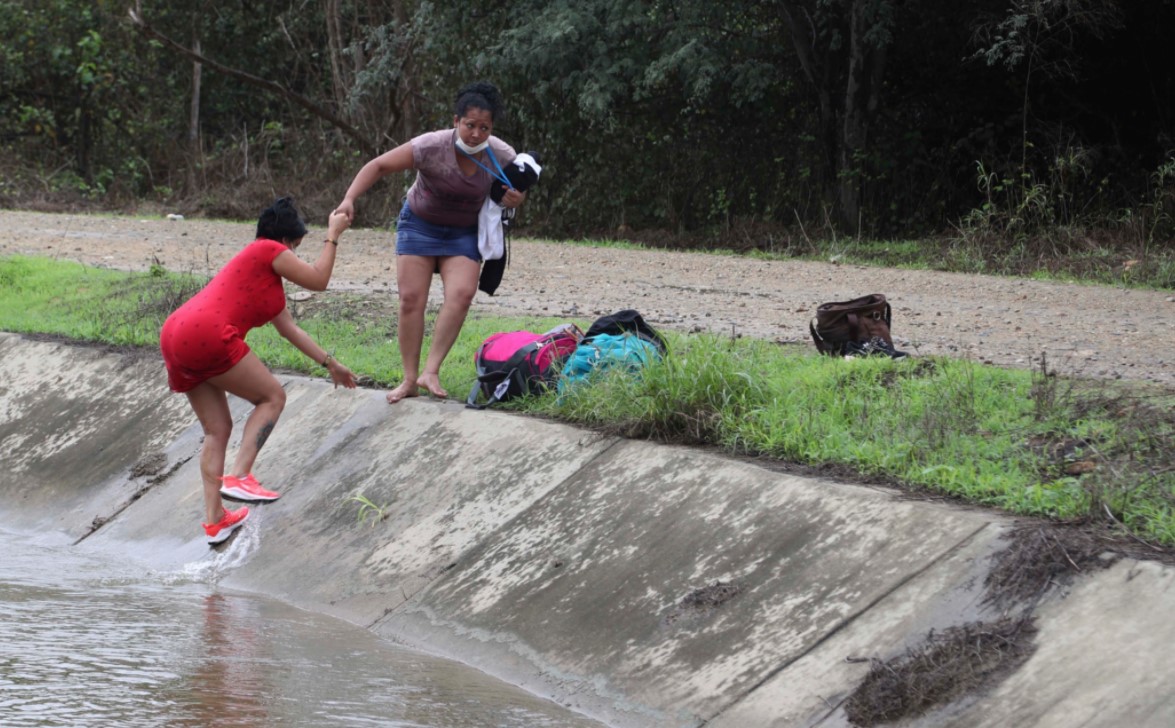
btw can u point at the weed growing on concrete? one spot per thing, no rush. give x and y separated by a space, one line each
368 510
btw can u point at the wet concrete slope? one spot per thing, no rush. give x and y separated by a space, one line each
75 423
641 584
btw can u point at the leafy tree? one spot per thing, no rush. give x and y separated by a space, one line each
64 93
678 115
645 111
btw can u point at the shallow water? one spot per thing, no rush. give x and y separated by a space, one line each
88 641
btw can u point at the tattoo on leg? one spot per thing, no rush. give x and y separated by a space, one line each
263 434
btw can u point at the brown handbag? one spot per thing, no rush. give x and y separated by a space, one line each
858 321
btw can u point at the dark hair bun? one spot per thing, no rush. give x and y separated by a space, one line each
281 221
480 95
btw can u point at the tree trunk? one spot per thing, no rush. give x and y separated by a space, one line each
83 137
334 34
407 90
846 80
194 117
854 129
817 66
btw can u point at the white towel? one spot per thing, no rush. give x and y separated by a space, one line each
524 160
491 242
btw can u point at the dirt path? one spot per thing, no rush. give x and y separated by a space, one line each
1092 331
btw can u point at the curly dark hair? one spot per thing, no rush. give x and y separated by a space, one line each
281 221
480 95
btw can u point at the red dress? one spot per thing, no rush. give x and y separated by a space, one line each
206 336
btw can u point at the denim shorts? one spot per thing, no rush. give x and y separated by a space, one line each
415 236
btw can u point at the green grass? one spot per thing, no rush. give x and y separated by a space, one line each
43 296
1028 442
1011 439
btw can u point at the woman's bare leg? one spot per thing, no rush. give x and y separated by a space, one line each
250 380
211 407
413 277
459 276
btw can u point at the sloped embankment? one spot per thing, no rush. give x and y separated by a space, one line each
641 584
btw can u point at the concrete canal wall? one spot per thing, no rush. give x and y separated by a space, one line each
641 584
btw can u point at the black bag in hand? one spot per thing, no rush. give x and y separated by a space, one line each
522 176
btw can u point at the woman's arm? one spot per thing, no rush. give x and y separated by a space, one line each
316 276
292 332
395 160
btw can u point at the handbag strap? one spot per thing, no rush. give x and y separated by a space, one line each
817 339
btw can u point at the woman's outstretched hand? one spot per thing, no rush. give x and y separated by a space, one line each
346 208
340 374
339 221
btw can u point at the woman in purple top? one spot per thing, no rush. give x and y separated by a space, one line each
437 227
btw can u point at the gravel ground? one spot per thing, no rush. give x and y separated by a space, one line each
1091 331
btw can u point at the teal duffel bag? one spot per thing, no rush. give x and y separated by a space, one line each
606 351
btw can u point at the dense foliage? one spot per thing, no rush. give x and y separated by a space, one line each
869 117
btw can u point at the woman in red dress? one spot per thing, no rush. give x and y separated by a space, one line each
204 350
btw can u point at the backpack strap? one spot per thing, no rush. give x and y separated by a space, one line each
471 401
499 381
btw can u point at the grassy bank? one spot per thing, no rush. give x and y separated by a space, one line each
1029 442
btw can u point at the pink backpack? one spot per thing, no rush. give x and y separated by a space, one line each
516 363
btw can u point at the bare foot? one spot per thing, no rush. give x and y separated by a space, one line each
432 383
405 389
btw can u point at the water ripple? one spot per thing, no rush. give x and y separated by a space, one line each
91 642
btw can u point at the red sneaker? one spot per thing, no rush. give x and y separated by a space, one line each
229 522
246 489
